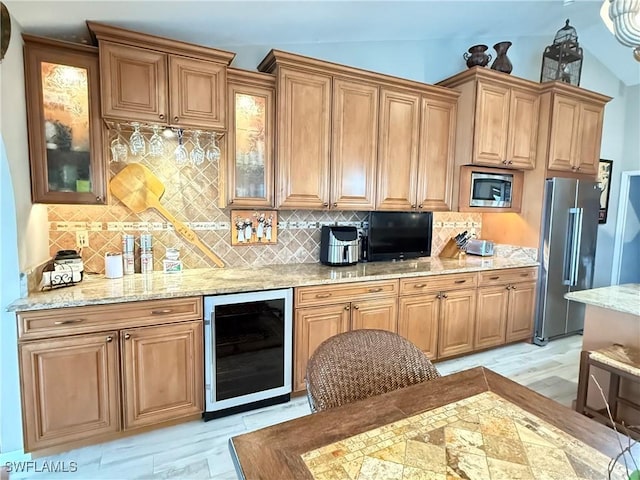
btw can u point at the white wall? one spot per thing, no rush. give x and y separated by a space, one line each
23 241
630 255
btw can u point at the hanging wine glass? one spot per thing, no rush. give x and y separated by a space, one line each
156 143
119 151
213 150
136 141
181 154
197 153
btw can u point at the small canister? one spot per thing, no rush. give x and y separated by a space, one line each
127 243
146 242
146 261
128 257
113 265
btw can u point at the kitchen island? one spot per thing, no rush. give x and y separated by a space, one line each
612 315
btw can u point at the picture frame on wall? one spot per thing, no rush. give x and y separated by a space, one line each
254 227
604 177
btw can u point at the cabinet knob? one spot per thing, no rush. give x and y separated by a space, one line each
127 336
510 162
413 206
577 169
109 339
444 295
230 202
439 295
513 287
420 206
99 198
347 308
335 204
175 119
504 162
161 116
356 307
325 204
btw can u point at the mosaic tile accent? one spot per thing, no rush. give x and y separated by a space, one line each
191 194
483 436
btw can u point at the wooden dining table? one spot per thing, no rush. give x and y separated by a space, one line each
475 424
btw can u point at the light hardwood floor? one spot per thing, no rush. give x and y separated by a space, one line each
199 450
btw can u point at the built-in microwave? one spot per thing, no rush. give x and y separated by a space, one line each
485 188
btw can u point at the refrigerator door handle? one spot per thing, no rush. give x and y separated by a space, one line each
572 249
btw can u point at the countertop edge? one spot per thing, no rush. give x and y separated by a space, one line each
167 286
619 298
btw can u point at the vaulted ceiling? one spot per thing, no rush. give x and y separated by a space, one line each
228 23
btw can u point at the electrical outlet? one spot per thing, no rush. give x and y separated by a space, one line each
82 238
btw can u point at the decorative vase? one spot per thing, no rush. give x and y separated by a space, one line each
477 56
502 62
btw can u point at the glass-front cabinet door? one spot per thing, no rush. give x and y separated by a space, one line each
63 116
250 139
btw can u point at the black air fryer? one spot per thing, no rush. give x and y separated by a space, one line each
339 246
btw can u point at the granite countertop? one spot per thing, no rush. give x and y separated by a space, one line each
97 290
621 298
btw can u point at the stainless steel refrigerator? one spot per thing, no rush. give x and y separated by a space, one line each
567 255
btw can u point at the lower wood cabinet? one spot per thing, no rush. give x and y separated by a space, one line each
372 305
162 373
83 388
70 389
506 307
457 322
418 322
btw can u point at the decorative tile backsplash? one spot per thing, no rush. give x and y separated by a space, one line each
191 194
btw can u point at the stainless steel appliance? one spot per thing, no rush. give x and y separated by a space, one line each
247 351
483 248
339 245
567 255
491 189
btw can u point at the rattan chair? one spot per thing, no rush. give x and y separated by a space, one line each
363 363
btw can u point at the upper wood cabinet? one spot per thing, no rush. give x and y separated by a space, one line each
247 177
63 117
161 81
351 139
354 144
575 117
399 143
497 119
417 134
303 117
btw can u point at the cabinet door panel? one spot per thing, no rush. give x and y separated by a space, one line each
304 121
197 92
380 314
398 151
418 322
491 316
522 300
69 389
162 373
590 128
251 136
563 143
523 129
134 83
492 117
354 145
457 320
313 326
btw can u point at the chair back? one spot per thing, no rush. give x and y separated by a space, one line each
362 363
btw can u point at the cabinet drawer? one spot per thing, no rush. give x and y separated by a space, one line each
506 276
345 292
437 283
94 318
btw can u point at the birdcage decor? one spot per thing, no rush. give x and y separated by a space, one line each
562 60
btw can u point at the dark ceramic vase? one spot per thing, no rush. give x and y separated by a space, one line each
477 56
502 62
